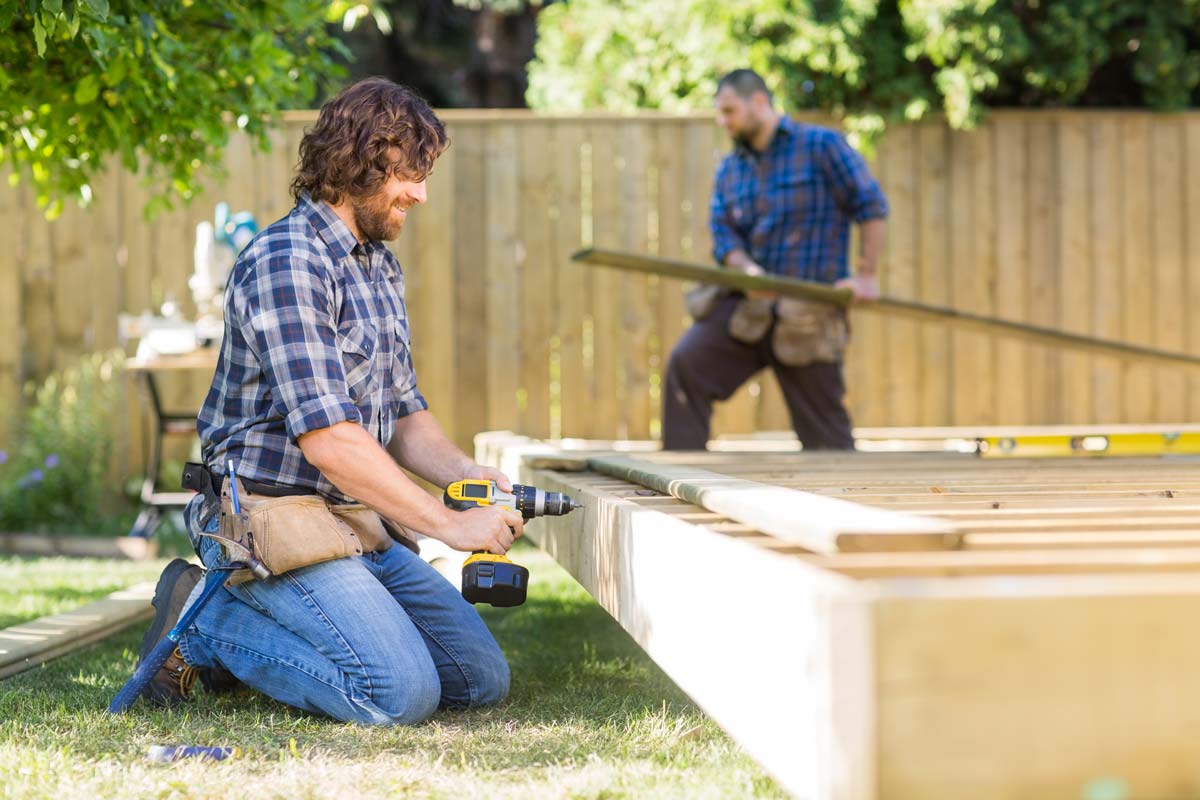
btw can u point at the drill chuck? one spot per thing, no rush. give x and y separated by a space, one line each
533 502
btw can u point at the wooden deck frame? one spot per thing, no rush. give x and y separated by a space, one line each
1024 673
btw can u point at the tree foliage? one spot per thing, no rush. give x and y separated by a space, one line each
625 54
455 53
157 84
872 61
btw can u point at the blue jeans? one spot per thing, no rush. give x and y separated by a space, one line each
379 639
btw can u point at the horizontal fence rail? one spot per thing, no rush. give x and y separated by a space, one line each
1083 221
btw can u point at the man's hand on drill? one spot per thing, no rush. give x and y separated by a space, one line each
480 472
491 528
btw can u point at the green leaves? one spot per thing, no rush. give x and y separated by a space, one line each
39 35
154 84
87 90
630 54
873 61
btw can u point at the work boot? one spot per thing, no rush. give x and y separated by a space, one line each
174 680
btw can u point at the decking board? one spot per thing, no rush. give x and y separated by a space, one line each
1047 651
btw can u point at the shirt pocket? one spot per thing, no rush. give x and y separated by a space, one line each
797 192
358 344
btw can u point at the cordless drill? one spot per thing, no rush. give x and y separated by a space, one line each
489 578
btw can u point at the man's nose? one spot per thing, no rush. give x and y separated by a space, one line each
417 192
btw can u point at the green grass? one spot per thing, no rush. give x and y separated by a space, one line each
589 716
34 587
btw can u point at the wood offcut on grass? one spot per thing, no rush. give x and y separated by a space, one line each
589 716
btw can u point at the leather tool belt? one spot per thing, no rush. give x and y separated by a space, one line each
287 528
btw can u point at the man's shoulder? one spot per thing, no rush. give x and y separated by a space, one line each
731 161
291 239
292 234
812 136
287 244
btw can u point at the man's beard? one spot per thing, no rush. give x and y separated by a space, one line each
372 218
746 135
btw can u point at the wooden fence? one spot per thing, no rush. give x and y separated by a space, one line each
1083 220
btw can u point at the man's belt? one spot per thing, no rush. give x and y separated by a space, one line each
199 478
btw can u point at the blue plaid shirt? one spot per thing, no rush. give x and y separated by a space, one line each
316 333
790 207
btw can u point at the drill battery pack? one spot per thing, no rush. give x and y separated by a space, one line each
489 578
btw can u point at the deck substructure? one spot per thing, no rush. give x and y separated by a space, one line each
1022 628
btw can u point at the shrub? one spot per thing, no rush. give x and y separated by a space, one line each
58 475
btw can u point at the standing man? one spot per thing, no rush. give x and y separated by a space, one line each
782 203
315 378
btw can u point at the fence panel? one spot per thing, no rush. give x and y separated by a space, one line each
1071 219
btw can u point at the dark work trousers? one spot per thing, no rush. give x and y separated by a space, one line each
708 364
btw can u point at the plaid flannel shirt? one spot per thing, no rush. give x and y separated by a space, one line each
790 207
316 333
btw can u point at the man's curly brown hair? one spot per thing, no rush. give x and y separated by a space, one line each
346 152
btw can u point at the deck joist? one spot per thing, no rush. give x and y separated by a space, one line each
904 625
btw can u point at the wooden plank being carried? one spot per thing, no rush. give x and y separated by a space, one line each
820 524
910 309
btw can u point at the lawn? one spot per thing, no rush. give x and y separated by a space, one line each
590 716
34 587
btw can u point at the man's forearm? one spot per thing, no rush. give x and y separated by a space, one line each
359 466
873 234
420 445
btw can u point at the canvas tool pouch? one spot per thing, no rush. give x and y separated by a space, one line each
286 533
751 319
700 300
807 331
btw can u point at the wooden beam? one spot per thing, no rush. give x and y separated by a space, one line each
982 673
820 524
32 644
724 619
1037 686
905 309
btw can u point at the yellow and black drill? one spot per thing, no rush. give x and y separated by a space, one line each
487 577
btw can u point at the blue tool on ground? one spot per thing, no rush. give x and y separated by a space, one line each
167 753
214 580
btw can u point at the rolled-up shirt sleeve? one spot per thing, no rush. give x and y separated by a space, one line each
410 402
287 320
725 237
855 189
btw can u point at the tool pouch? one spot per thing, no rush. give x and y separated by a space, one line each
700 300
401 534
286 533
807 331
751 319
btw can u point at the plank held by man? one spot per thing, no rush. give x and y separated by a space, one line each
908 309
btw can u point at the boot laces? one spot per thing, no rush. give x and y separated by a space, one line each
186 675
